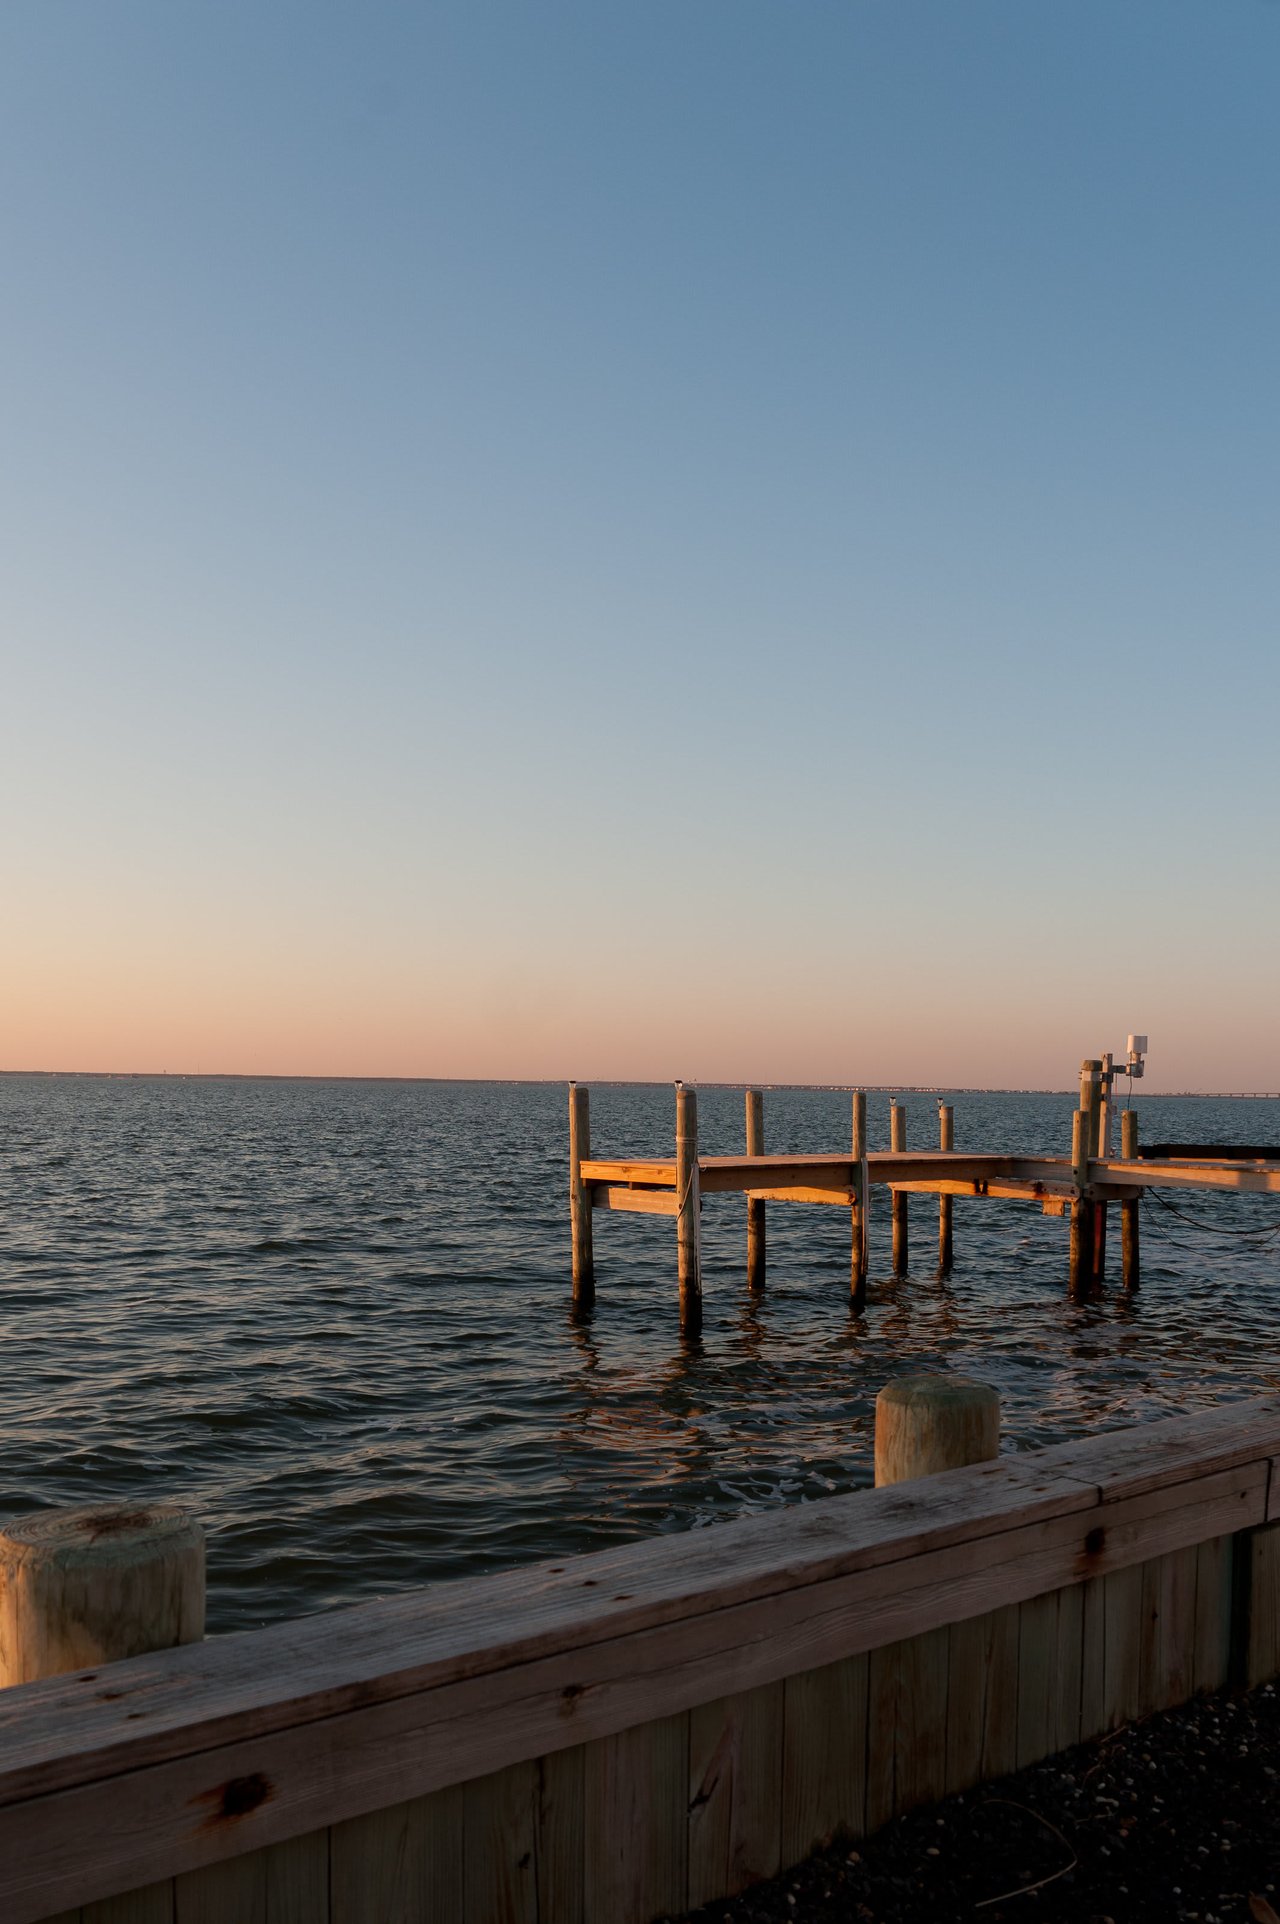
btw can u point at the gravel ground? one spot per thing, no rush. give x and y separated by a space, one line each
1176 1818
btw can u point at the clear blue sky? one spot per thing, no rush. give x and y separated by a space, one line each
706 538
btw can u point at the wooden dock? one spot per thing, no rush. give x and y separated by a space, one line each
1080 1186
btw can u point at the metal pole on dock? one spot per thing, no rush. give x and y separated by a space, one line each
861 1204
898 1140
688 1210
755 1204
946 1140
1130 1250
584 1268
1081 1258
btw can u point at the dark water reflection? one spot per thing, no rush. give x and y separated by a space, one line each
335 1316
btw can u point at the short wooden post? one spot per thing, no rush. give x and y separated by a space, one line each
1081 1259
861 1211
929 1423
86 1587
755 1204
946 1140
1130 1245
688 1211
584 1267
898 1140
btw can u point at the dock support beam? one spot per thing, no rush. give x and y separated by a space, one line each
1130 1245
755 1206
861 1205
584 1268
898 1140
946 1140
688 1211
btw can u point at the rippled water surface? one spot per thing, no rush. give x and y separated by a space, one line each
335 1317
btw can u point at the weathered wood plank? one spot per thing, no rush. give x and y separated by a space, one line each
400 1865
153 1905
1093 1666
560 1816
982 1698
1167 1657
920 1760
235 1888
1211 1660
1122 1659
735 1792
500 1846
1068 1700
824 1774
633 1202
636 1822
1262 1649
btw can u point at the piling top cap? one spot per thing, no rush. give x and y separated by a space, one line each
926 1387
113 1533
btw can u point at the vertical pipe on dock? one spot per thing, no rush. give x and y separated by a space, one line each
946 1140
1130 1252
861 1203
898 1141
584 1268
755 1205
1081 1258
688 1210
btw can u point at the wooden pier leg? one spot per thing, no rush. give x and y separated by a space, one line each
85 1587
584 1268
1081 1260
862 1203
929 1423
946 1140
1130 1242
688 1211
1102 1147
1091 1103
898 1140
755 1207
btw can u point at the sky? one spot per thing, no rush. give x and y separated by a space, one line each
731 539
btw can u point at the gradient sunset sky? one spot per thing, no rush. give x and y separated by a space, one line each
695 537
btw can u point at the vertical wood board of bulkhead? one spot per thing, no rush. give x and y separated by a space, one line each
402 1865
907 1724
824 1756
636 1831
735 1792
982 1698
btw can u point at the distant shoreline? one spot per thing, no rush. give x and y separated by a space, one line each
618 1082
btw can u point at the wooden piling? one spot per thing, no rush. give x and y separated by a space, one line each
584 1268
1091 1103
755 1204
898 1141
946 1140
1081 1259
861 1204
1101 1147
929 1423
1130 1242
86 1587
688 1211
